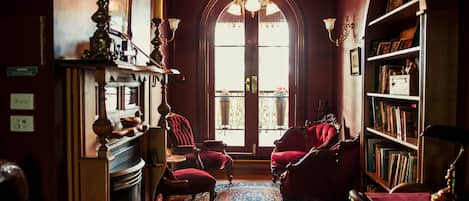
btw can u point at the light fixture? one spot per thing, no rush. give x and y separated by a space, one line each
329 23
252 5
173 26
238 6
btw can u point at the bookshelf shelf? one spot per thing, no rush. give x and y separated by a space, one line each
392 96
378 180
410 141
405 53
402 12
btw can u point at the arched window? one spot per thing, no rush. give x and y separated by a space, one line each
249 72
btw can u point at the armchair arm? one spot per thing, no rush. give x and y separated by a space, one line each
184 149
176 183
313 158
213 145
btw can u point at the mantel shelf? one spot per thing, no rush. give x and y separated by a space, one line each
397 54
392 96
114 65
404 11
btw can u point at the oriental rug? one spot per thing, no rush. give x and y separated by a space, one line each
244 191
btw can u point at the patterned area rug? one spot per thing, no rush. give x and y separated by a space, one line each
244 191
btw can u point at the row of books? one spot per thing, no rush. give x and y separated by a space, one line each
390 163
399 119
383 83
383 76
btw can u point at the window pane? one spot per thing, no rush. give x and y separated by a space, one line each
229 95
229 29
273 94
273 77
229 68
273 68
273 30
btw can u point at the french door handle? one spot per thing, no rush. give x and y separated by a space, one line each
254 84
248 84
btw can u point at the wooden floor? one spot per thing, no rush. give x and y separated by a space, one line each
255 170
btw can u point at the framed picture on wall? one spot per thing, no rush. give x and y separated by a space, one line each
120 12
355 61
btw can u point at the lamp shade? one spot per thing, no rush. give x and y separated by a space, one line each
252 5
173 23
329 23
234 9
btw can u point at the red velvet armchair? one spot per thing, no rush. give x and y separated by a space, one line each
297 142
325 175
189 181
209 155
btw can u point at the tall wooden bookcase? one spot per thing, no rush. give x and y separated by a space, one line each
421 36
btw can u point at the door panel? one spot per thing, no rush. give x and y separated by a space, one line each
251 81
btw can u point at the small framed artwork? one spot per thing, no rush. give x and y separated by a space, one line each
355 65
384 48
120 12
405 43
395 44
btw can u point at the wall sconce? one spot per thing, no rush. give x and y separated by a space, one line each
329 23
173 25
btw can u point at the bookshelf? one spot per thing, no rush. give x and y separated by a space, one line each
407 85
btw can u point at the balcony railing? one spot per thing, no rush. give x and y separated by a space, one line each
230 117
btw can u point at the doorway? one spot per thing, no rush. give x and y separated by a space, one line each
252 83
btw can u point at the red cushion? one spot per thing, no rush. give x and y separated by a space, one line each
280 159
199 181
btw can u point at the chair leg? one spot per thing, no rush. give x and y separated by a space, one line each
229 170
213 194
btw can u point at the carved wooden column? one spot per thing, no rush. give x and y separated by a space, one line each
102 126
156 42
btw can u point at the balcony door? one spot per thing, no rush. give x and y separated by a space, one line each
252 86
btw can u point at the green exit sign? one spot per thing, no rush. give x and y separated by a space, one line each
20 71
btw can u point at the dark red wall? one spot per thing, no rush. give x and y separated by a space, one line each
68 26
41 153
319 57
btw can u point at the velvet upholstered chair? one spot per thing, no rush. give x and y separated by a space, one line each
326 174
189 181
209 155
297 142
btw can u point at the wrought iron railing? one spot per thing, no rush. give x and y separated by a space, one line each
230 116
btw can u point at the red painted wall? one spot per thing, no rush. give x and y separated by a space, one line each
40 153
68 26
320 57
